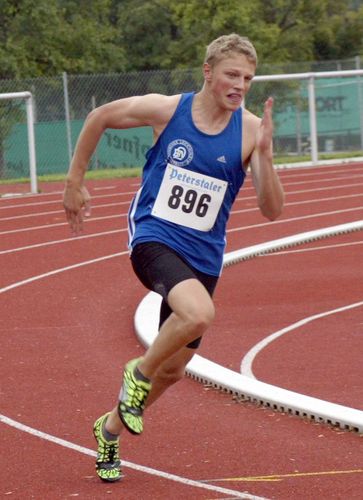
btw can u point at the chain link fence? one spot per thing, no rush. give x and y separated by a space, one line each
62 103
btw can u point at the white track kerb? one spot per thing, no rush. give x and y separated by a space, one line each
242 386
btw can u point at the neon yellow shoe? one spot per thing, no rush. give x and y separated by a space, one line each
108 464
133 398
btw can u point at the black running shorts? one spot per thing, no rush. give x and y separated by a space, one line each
159 268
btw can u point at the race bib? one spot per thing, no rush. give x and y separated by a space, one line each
189 199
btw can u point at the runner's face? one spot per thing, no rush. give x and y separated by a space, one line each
230 79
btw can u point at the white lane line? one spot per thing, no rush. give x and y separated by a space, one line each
319 200
125 463
116 231
284 173
60 270
59 200
246 198
293 219
279 221
323 188
298 203
247 361
241 228
54 212
247 187
65 240
29 195
314 181
104 188
81 449
60 224
313 249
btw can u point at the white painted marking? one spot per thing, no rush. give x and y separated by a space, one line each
254 209
247 361
323 188
60 270
206 371
312 173
53 212
66 240
116 231
248 186
60 224
242 228
31 195
125 463
284 171
289 241
303 217
81 449
313 249
293 203
319 200
334 179
58 201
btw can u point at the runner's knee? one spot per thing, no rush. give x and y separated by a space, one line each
200 318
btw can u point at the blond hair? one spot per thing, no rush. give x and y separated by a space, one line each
222 47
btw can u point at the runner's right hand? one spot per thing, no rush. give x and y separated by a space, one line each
77 204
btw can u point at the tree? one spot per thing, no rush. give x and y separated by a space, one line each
47 37
342 37
174 33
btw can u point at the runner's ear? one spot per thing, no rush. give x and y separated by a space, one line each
207 72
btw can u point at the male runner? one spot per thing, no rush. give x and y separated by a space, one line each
203 145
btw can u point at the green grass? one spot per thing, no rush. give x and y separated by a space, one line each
106 173
117 173
322 156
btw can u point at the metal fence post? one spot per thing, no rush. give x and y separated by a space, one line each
312 120
67 115
360 99
95 155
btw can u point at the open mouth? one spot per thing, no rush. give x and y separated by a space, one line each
235 98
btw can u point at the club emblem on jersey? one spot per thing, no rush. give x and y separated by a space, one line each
180 152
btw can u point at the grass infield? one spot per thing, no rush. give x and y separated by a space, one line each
122 172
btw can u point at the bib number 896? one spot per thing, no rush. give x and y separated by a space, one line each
188 201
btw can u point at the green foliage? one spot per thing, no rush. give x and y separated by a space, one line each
11 112
146 31
48 37
340 34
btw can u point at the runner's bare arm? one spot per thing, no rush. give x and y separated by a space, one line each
153 110
268 187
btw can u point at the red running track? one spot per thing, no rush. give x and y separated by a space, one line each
67 307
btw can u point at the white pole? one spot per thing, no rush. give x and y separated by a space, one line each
298 123
312 118
360 109
31 143
67 115
307 76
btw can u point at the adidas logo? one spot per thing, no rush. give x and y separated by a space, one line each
222 159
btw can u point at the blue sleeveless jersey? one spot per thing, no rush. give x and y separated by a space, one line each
190 181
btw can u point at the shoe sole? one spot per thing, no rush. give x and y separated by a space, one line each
130 429
120 413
